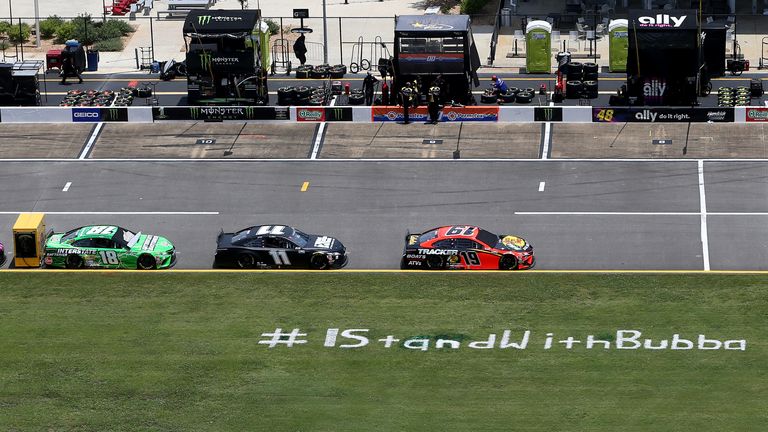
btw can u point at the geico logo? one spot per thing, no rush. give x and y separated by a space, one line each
438 252
87 114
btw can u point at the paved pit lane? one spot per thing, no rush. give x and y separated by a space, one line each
683 140
393 140
204 140
43 140
591 215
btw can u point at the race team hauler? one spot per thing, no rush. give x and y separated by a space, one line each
108 247
278 246
466 247
427 46
225 50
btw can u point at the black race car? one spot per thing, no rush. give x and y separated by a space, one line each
278 246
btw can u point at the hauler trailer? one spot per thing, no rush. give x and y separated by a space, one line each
429 45
224 64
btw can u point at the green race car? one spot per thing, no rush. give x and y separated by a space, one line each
110 247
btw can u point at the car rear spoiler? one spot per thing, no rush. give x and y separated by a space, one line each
218 237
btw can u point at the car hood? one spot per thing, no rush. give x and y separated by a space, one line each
152 243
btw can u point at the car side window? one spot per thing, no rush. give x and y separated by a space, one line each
102 243
255 243
445 244
274 242
83 243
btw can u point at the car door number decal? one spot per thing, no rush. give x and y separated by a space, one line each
280 257
470 257
109 257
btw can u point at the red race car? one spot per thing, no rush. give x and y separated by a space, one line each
466 247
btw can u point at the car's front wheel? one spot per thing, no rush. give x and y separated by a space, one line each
74 262
146 262
318 261
507 262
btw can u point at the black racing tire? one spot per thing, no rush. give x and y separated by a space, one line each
73 261
146 262
340 67
318 261
508 262
356 99
488 99
524 97
245 261
303 92
354 68
435 262
365 64
302 74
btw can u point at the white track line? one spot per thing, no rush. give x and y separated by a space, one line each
377 160
66 186
596 213
138 213
541 186
319 137
91 140
703 206
547 137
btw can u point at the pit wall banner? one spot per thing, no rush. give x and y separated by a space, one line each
221 113
754 114
658 115
447 114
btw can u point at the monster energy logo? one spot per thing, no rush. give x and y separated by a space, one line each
224 113
203 19
110 114
548 113
205 60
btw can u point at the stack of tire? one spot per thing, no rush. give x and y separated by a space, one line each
581 80
488 96
356 97
525 96
304 71
123 97
88 98
338 71
320 72
301 95
743 96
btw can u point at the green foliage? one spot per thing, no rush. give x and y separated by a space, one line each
49 26
89 32
5 27
118 25
65 32
18 34
274 28
114 44
470 7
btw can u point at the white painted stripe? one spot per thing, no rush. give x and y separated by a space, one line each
541 186
378 160
91 140
66 186
138 213
547 137
319 137
703 206
597 213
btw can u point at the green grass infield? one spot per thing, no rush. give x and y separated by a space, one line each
383 352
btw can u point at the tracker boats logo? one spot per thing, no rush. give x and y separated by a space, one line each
661 20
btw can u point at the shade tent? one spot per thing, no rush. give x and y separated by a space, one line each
234 23
413 25
663 57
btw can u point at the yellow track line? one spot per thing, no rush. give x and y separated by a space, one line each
43 271
305 186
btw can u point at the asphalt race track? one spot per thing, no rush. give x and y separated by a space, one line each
613 215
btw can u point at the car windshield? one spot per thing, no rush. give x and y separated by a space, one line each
488 238
429 235
299 238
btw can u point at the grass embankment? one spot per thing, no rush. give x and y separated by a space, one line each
130 352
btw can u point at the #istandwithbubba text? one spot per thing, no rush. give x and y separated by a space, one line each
622 340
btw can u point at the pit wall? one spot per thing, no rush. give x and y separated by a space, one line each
366 114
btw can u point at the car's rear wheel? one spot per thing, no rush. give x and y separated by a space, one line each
318 262
146 262
246 261
74 262
434 262
508 262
